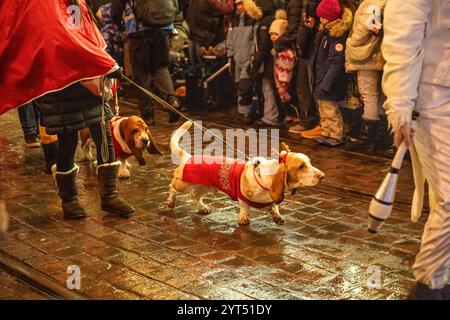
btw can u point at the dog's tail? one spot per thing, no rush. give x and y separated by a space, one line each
174 141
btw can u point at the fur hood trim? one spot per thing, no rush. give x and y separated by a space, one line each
253 11
339 27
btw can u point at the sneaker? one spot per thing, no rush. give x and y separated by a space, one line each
269 124
32 141
173 116
321 139
296 128
288 119
330 142
248 119
313 133
149 118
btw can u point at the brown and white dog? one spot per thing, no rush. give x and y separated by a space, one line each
260 182
130 135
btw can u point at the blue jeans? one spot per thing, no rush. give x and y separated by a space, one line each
29 119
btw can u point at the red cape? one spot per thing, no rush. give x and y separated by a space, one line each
41 51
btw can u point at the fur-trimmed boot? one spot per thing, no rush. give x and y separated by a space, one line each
68 191
110 199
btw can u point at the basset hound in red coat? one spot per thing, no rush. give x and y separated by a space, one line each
130 135
259 182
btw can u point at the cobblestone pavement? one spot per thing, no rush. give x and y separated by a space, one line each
322 252
13 288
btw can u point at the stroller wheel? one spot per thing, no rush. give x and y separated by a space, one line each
210 102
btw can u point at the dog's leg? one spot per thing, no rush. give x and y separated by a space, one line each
172 196
197 193
244 213
123 170
86 152
275 213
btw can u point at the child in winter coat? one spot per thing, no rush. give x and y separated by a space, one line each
330 80
240 51
284 61
262 70
363 56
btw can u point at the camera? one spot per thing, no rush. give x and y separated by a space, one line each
311 8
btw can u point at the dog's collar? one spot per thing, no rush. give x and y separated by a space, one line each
116 132
283 158
257 180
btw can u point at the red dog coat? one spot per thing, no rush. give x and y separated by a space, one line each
217 172
120 146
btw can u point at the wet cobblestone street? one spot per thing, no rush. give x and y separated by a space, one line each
323 251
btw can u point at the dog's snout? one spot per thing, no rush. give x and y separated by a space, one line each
320 175
145 141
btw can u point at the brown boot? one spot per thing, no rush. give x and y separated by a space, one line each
110 199
68 191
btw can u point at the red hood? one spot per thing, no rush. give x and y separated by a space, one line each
40 53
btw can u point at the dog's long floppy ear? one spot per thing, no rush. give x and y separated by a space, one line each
278 185
139 157
126 131
127 134
152 147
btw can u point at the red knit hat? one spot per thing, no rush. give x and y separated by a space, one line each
329 9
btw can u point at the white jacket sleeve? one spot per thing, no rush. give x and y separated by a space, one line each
404 33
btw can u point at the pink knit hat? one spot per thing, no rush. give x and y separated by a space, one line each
329 9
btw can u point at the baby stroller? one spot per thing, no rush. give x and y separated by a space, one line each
179 61
209 84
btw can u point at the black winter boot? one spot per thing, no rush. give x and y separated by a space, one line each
446 292
68 191
50 154
383 139
149 117
421 292
366 138
110 199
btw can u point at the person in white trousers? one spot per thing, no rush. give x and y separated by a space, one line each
416 47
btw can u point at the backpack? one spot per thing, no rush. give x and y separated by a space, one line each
365 52
155 13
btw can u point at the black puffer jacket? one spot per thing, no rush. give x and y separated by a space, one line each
263 58
268 7
305 35
205 23
71 109
289 38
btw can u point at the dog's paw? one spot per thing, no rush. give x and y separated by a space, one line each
278 219
124 174
204 210
244 220
170 203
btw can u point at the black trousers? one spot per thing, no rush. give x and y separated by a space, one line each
149 50
304 94
68 142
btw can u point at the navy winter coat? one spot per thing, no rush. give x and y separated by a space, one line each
329 77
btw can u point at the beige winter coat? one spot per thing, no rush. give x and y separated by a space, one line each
361 38
417 77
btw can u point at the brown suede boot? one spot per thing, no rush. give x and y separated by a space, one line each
110 199
68 191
